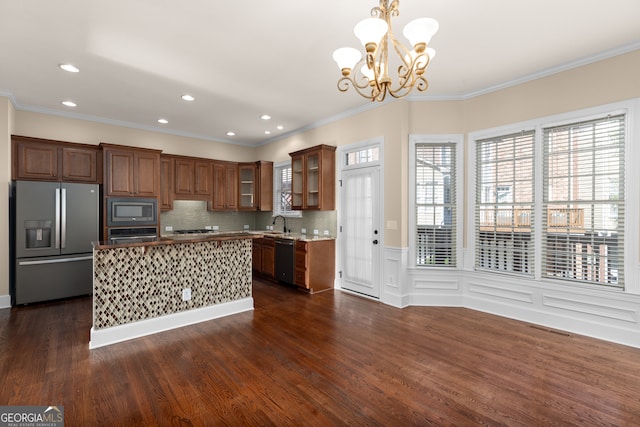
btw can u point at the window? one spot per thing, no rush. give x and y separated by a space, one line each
583 213
435 204
365 155
282 194
504 201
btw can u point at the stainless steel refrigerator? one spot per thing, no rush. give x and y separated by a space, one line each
54 224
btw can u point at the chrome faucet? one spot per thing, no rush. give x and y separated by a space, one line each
284 220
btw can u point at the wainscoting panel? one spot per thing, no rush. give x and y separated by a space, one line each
601 309
573 308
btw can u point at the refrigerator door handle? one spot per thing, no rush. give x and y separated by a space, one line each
63 219
55 261
57 224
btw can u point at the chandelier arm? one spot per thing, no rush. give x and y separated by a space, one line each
410 72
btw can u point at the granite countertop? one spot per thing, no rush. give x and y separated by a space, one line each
168 239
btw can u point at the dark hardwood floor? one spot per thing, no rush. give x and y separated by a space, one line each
318 360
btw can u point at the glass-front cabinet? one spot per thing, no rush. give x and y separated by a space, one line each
297 180
313 178
247 181
255 186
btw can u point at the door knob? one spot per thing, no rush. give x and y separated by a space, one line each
375 242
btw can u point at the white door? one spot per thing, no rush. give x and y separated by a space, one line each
361 236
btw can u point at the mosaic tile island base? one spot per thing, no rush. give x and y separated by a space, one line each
138 288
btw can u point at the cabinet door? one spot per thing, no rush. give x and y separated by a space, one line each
268 258
231 186
147 174
264 183
36 161
184 173
203 179
225 186
256 256
312 195
166 184
247 186
297 182
119 168
218 186
80 165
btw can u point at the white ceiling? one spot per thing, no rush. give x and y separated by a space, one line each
241 58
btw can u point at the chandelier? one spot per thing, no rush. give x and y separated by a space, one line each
369 76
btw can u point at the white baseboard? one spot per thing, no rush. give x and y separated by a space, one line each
5 301
116 334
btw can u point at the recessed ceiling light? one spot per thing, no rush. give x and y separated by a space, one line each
69 103
163 121
265 117
230 133
188 97
280 127
267 132
70 68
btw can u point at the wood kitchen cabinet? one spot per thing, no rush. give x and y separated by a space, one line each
315 264
131 172
166 183
225 186
193 178
313 178
263 261
255 186
47 160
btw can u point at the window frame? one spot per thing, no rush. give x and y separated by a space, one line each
277 188
517 255
457 140
589 239
632 203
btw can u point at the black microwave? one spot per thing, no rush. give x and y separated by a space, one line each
131 211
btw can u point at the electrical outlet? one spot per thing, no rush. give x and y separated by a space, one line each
168 228
215 228
186 294
326 232
315 231
246 226
208 227
303 231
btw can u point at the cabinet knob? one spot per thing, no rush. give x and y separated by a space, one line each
375 242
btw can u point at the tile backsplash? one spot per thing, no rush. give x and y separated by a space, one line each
188 214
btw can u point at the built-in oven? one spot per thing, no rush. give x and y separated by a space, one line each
132 212
132 235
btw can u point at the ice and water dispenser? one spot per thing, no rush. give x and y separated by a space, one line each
38 234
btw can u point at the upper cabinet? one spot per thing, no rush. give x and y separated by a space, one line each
193 178
166 183
46 160
255 186
131 172
225 186
313 178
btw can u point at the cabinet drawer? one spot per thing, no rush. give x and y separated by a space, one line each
302 278
302 260
301 246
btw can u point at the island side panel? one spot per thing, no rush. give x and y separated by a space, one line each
138 283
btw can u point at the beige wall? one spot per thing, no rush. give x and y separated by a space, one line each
607 81
6 127
72 130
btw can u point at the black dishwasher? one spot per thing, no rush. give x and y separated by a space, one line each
284 261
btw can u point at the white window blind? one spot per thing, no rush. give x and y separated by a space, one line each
583 214
282 193
504 200
435 204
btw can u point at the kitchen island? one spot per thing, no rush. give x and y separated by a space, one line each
147 287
